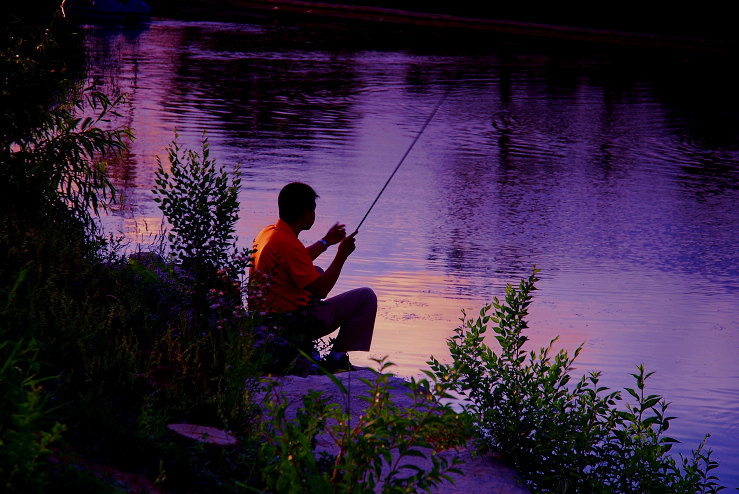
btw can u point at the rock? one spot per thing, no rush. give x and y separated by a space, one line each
481 474
204 434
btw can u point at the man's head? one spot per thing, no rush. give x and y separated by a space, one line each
297 199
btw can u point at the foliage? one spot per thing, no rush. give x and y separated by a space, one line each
61 164
53 181
201 205
208 354
563 437
39 54
373 452
25 442
99 324
53 161
121 358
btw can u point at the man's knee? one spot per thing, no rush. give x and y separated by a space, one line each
368 297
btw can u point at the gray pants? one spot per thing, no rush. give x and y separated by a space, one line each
353 313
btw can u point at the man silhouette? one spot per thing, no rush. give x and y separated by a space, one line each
293 286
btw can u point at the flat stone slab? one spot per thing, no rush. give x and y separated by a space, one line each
204 434
481 474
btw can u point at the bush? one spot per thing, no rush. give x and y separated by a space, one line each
58 170
201 205
562 437
53 161
210 349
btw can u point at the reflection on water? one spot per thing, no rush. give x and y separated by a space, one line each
618 178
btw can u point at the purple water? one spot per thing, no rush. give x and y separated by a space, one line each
619 180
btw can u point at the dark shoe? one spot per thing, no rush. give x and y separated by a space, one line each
337 365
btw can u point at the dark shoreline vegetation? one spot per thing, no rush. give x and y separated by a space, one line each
707 28
101 349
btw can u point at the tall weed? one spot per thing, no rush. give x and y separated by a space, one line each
210 349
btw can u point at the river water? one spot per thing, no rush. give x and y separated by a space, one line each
617 175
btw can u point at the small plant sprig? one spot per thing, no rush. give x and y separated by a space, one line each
373 450
563 437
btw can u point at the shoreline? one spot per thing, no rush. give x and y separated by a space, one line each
480 474
513 26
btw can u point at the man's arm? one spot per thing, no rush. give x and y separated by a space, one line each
325 283
336 234
316 249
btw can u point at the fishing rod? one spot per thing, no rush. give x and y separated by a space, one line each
407 152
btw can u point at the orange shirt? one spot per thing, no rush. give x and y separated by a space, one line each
284 264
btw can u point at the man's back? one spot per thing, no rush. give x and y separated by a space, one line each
283 267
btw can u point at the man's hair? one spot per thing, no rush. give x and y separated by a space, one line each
294 199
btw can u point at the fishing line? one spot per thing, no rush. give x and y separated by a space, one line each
407 152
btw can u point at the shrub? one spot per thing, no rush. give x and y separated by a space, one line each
201 205
208 352
53 161
563 437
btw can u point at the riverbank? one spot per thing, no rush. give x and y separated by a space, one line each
480 474
629 26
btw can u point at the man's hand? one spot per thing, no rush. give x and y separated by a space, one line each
326 281
336 234
346 247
